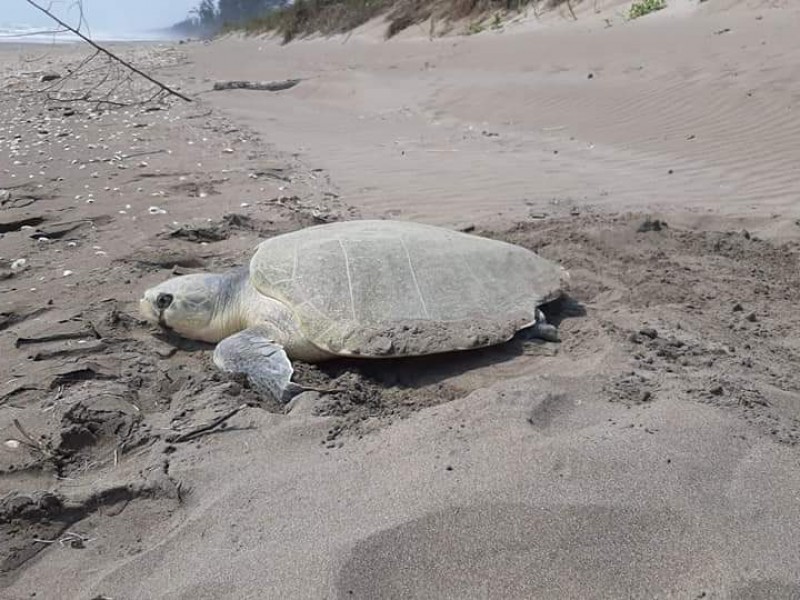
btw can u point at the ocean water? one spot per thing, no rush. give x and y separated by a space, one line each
27 34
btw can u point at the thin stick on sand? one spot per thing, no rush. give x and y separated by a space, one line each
205 428
108 53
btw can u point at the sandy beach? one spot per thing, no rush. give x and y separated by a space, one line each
652 453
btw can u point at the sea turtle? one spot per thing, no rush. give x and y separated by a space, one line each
367 288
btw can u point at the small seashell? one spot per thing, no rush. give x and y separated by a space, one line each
228 150
43 239
12 444
67 273
71 244
244 205
19 264
155 210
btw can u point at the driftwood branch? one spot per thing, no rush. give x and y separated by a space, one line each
108 53
266 86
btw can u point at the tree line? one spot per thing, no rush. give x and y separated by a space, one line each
210 16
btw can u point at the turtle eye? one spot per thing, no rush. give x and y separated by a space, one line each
163 301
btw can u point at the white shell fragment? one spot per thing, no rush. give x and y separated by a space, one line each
19 264
155 210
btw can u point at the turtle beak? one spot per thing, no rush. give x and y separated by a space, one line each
146 310
151 313
161 322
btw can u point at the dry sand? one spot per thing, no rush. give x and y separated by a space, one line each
652 453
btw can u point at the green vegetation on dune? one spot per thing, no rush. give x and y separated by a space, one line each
315 16
645 7
307 17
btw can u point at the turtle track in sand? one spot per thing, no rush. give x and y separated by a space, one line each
701 314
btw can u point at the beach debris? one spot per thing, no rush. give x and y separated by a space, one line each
155 210
650 224
266 86
107 97
20 225
19 265
67 273
649 332
47 77
75 540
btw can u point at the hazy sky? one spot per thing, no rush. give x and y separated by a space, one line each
117 16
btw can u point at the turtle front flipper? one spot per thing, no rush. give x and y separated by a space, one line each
264 362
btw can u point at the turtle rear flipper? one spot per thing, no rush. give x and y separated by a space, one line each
542 329
255 354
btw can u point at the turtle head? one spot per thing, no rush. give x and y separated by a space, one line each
200 307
